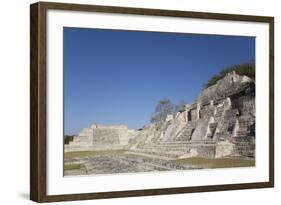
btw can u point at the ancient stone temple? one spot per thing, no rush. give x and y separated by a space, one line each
220 123
100 137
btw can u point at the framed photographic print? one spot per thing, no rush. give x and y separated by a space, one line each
134 102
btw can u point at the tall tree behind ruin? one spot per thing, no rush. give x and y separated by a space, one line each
180 107
164 107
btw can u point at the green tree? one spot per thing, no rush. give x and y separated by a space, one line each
247 69
68 138
164 107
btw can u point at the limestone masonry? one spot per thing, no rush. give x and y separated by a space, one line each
220 123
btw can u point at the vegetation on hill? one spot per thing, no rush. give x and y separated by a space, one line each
247 69
68 138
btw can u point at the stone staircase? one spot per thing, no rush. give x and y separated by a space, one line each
219 112
212 127
175 150
246 127
165 150
186 133
200 130
226 124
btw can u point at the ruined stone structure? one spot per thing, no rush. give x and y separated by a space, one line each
220 123
101 137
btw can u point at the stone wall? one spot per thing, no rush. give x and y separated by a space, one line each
207 111
193 114
99 137
105 136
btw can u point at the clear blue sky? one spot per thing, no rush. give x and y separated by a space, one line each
117 77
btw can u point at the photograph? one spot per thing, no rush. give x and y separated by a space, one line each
132 101
148 101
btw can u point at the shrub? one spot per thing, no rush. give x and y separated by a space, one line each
68 138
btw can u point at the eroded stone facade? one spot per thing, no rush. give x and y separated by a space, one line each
101 137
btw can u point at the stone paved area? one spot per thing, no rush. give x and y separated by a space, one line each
122 163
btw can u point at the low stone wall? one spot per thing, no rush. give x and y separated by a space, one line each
224 149
236 147
180 149
78 148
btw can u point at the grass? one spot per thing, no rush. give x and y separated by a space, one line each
217 163
72 166
92 153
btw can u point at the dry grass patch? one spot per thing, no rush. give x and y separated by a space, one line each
217 163
92 153
72 166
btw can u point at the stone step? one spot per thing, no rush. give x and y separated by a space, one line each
169 155
157 162
243 132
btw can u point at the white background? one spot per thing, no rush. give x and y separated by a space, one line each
14 103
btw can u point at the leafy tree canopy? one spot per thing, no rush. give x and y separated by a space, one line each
68 138
247 69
